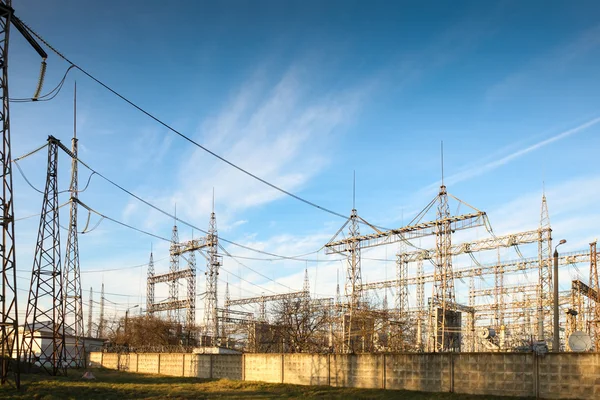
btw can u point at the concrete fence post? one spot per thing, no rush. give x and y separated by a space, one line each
282 363
383 371
243 367
102 359
536 375
451 372
158 367
183 365
328 369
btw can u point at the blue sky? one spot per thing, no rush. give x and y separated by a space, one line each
302 94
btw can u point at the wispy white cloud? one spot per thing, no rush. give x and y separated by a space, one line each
277 130
482 169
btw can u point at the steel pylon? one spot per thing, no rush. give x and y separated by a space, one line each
9 325
73 295
44 328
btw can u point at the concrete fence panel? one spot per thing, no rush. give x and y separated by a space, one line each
147 363
110 360
227 366
95 359
507 374
357 370
423 372
204 369
569 376
190 365
306 369
171 364
133 362
264 367
553 376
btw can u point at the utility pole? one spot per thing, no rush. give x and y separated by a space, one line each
9 324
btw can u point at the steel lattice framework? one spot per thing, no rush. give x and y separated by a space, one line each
44 320
263 300
173 269
73 295
177 249
442 227
101 318
150 284
211 321
90 313
9 324
545 274
594 308
443 281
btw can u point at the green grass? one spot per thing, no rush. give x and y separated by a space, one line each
121 385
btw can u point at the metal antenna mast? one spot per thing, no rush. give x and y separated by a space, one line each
9 324
149 285
45 306
90 313
73 296
101 321
211 322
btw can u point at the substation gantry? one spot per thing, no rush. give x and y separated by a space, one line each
210 244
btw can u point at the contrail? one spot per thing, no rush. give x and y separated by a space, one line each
477 171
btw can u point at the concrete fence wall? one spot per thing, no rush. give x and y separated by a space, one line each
553 376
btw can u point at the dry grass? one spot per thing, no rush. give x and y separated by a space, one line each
121 385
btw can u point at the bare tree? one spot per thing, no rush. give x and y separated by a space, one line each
300 326
142 331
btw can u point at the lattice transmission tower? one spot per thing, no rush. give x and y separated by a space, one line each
73 295
545 274
101 319
173 313
90 313
149 285
594 308
9 324
211 322
44 329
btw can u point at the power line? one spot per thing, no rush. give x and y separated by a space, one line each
174 217
190 140
183 136
119 222
253 270
48 96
